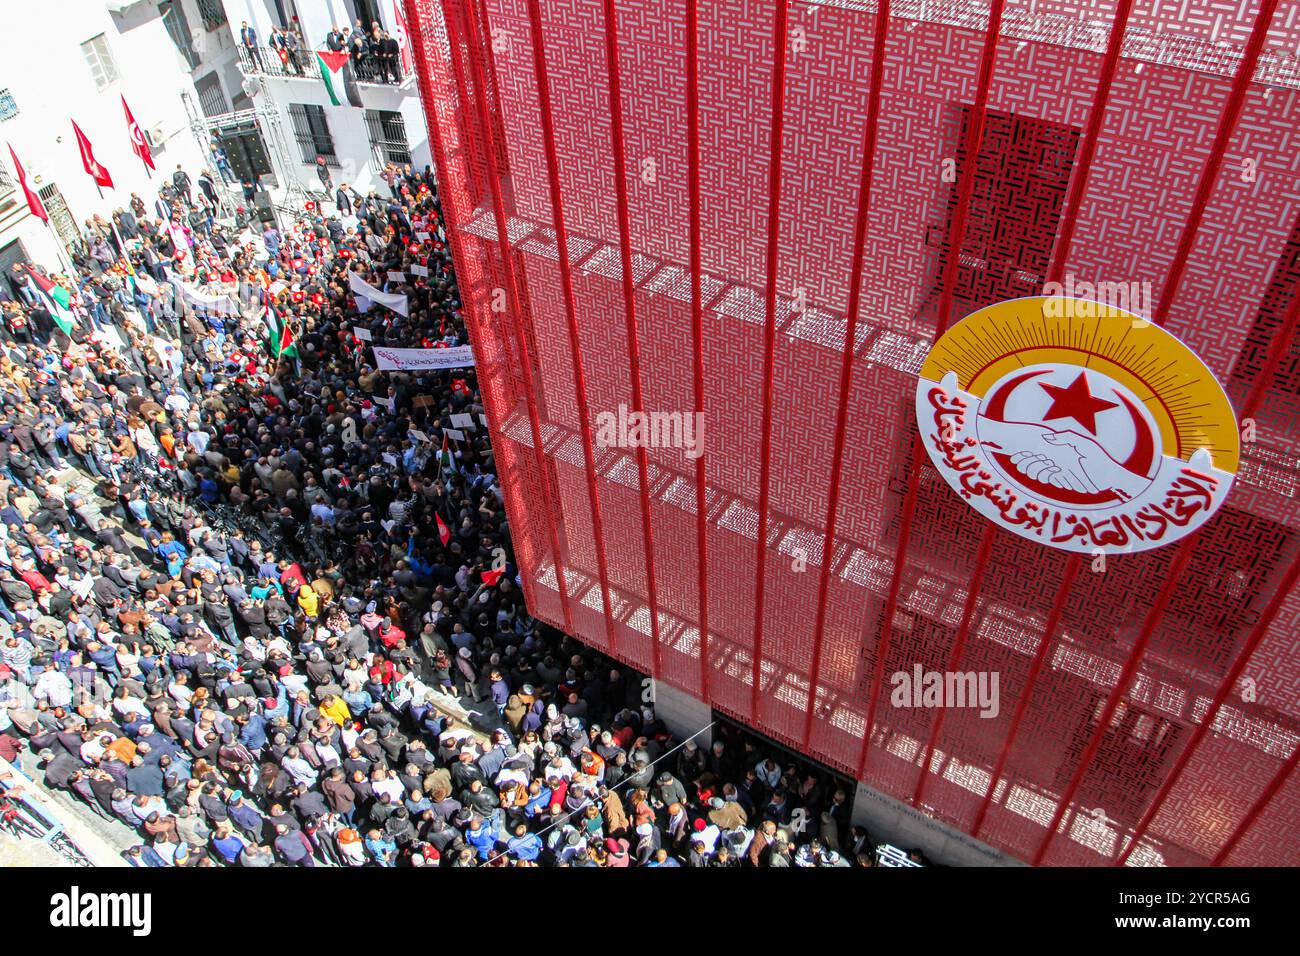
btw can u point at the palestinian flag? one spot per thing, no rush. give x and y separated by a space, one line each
282 343
273 324
444 533
288 344
337 74
444 457
54 299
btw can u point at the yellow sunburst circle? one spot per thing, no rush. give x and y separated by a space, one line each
1184 398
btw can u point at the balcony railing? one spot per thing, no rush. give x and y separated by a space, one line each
302 63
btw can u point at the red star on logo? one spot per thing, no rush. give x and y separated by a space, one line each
1075 401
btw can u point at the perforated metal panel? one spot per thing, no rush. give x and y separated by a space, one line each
1148 708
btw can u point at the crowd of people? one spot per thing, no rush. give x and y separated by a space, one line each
375 54
254 606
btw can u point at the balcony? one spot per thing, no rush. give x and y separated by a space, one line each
302 65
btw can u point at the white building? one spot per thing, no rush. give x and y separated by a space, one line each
294 114
90 54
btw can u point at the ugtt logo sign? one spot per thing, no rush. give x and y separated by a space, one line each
1099 434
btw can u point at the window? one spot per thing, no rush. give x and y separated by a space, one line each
178 28
8 106
100 60
312 133
367 12
211 99
212 12
387 131
65 227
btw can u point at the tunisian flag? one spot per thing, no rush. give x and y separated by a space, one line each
402 35
33 201
94 169
444 533
139 145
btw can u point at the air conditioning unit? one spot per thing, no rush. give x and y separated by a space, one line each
157 137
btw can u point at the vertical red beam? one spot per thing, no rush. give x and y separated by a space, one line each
1257 808
984 80
958 646
475 29
1072 567
629 305
869 138
570 308
453 13
697 327
1203 729
489 54
1061 255
1227 124
769 340
1088 148
1218 150
1127 673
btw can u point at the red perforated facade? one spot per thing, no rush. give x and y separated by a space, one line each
767 169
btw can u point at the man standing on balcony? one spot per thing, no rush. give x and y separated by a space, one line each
356 44
291 47
392 56
248 37
334 40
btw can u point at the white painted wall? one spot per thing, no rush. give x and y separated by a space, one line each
683 714
347 126
216 49
908 828
52 84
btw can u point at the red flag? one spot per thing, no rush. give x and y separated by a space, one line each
138 143
94 169
444 533
402 35
33 201
491 577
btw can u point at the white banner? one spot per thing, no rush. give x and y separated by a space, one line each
366 294
396 276
419 270
361 332
419 360
208 301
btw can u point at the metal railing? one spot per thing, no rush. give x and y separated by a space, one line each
295 64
